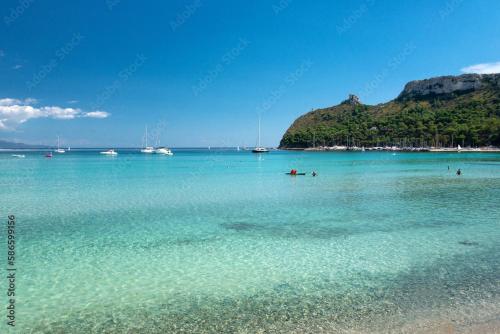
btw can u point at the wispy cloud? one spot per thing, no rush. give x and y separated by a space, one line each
14 112
486 68
17 66
9 102
96 114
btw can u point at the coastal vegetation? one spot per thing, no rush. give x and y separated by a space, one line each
439 112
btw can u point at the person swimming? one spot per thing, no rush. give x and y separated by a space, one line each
314 173
459 172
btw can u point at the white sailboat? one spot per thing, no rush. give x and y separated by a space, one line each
59 149
147 149
259 148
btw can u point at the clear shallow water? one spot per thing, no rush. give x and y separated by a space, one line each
224 242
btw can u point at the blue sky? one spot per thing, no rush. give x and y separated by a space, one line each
199 72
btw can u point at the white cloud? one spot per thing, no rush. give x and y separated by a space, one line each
9 102
486 68
17 66
60 113
96 114
14 112
30 100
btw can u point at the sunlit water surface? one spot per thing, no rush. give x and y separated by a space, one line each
225 242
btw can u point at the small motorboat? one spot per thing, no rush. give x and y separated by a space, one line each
164 151
109 152
18 155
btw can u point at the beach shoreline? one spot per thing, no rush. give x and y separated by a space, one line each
488 149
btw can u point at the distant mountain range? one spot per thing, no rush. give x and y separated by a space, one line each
440 112
12 145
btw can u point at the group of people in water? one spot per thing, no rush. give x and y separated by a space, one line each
294 172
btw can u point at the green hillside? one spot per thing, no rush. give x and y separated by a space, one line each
438 112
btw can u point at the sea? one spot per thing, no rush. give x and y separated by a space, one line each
224 241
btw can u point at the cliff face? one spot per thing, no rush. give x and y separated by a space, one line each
447 85
442 111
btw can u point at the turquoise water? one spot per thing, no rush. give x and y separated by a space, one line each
225 242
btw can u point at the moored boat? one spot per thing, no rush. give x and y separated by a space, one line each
147 149
109 152
164 151
59 149
259 148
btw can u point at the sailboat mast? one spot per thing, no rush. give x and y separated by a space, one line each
146 136
259 132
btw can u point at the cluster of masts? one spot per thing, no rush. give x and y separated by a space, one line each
152 150
147 149
383 148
